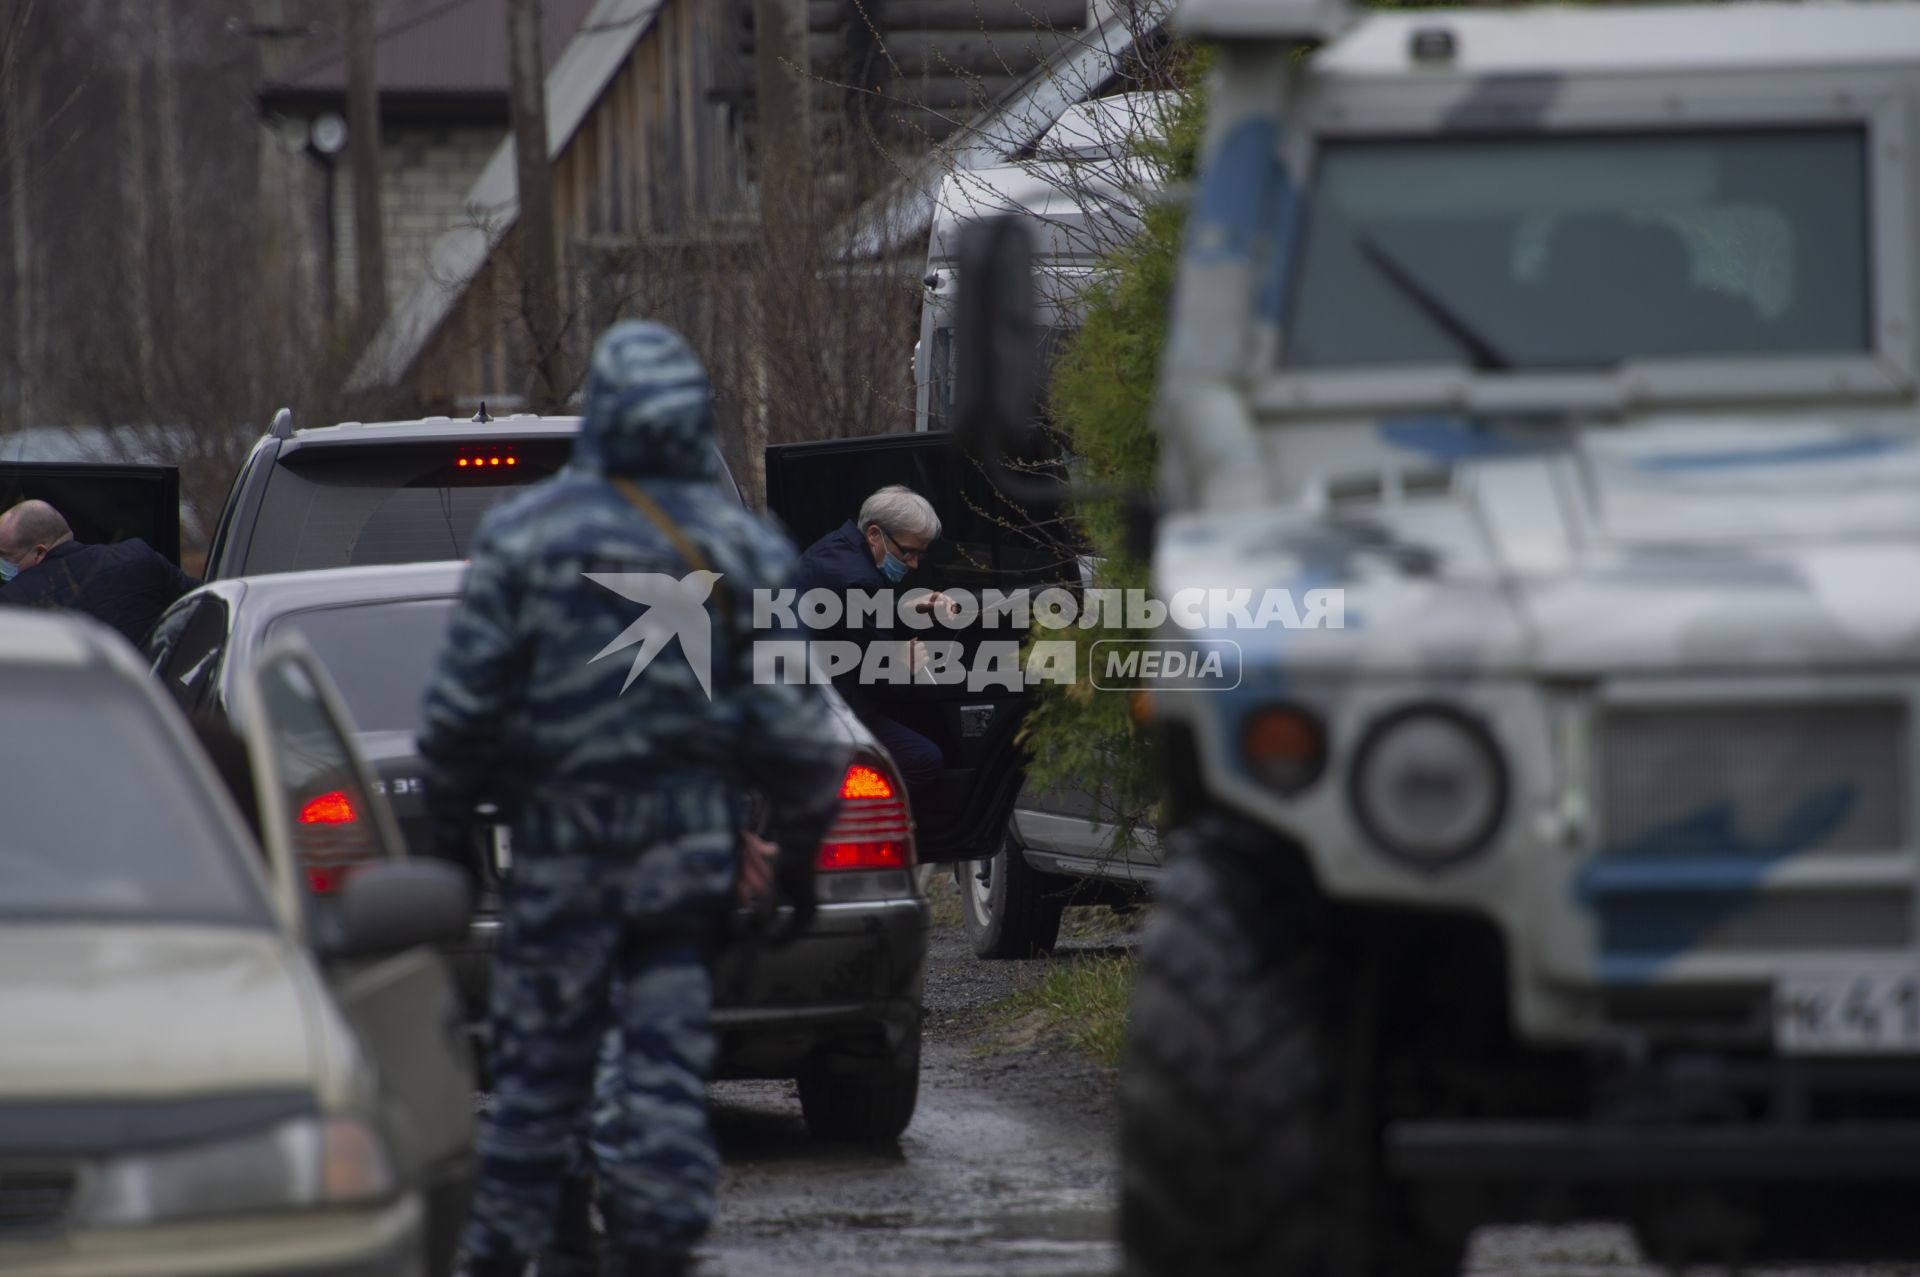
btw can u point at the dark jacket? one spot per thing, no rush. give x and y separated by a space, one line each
127 584
841 561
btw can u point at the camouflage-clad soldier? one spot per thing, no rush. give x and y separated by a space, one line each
619 758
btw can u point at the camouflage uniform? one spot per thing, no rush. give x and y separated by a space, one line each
623 803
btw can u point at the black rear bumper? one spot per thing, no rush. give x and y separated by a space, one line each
855 976
857 972
1756 1153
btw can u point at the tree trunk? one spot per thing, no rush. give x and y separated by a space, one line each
20 86
363 144
539 254
138 241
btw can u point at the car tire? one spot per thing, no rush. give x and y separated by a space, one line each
1234 1094
1012 909
854 1099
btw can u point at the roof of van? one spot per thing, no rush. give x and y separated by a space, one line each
1563 39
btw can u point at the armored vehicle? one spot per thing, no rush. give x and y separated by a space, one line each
1575 874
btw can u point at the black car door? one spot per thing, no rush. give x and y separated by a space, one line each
103 502
986 543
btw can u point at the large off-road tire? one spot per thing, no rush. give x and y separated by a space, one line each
1247 1141
1012 909
857 1099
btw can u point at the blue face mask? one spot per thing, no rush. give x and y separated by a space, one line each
894 569
8 571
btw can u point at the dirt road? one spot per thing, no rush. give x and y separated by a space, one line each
1009 1168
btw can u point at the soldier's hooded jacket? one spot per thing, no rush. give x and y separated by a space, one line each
571 692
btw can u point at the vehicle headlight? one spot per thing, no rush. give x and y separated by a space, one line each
1428 785
300 1164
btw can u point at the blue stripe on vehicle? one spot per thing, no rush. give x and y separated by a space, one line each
1659 896
1237 194
1450 438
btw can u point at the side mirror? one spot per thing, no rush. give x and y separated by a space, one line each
385 908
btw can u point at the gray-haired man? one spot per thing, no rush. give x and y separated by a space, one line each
872 552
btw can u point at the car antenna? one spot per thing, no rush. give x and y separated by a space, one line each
282 427
482 416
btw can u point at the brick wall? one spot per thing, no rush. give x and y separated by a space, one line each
427 173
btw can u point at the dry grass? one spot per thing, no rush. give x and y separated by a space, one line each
1084 998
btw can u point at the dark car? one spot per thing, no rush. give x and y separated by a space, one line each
365 494
839 1009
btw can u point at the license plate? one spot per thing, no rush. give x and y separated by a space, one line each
1864 1013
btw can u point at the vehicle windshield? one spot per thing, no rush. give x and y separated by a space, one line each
393 503
102 819
1564 252
380 655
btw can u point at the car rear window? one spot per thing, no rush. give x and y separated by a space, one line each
101 818
379 654
393 503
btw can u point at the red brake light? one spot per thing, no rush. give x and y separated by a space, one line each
513 461
865 782
493 461
463 461
333 808
873 830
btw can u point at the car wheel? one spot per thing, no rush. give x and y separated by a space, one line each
857 1098
1245 1140
1012 909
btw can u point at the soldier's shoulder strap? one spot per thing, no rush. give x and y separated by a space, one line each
637 497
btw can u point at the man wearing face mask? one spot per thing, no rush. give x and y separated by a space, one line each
127 584
873 552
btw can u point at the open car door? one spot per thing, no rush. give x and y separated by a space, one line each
103 502
322 817
986 542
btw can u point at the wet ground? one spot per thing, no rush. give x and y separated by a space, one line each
1009 1168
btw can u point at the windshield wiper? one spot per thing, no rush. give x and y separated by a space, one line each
1486 356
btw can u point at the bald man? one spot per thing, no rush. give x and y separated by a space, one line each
127 584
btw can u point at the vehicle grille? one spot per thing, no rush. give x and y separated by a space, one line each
1817 921
34 1197
1767 780
1700 802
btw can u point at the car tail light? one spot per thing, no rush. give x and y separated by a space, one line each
872 830
333 808
329 840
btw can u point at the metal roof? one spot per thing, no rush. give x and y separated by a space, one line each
599 48
899 218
